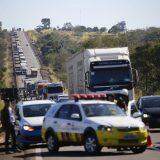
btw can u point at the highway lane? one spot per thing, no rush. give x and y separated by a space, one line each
77 153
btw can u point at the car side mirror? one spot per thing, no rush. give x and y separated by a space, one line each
135 76
87 78
137 115
75 116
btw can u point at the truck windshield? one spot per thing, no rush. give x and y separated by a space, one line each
58 89
35 110
94 110
111 76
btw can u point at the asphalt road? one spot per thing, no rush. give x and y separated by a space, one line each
77 153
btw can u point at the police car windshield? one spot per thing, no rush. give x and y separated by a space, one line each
94 110
35 110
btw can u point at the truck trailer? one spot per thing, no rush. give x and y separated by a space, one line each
101 71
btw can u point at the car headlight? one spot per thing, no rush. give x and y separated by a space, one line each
145 115
28 128
104 128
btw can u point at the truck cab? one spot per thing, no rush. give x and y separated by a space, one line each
101 70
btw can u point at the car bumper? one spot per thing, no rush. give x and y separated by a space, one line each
29 137
122 139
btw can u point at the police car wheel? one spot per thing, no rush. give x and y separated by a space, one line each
139 149
52 143
91 145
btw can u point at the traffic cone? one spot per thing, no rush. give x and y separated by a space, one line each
149 141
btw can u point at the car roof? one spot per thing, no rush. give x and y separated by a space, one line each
147 97
35 102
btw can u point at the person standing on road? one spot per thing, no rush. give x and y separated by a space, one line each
111 97
8 122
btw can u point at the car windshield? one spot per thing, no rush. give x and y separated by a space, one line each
35 110
113 76
94 110
152 102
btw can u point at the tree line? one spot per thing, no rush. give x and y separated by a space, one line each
46 24
3 48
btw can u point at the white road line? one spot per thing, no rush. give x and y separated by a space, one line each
38 154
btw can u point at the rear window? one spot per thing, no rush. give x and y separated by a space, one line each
152 102
35 110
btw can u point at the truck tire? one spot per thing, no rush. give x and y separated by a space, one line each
139 149
52 143
91 144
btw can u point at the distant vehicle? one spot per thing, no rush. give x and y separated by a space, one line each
17 69
17 62
24 68
30 86
149 106
16 56
101 70
23 61
30 115
54 89
34 72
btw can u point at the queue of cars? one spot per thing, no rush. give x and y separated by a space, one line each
19 59
93 123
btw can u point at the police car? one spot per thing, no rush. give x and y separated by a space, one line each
29 119
94 124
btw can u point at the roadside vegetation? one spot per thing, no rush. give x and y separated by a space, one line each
56 45
5 60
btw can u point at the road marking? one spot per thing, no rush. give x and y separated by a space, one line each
38 154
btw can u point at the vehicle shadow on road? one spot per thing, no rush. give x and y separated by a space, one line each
71 154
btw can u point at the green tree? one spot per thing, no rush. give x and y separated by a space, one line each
119 27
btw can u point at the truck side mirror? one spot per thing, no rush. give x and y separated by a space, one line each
87 78
135 76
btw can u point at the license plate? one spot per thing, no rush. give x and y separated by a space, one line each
130 137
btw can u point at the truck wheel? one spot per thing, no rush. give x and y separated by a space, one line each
139 149
52 143
91 145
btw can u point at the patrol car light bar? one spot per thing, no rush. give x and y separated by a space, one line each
77 97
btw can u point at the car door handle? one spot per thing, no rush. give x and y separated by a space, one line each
68 124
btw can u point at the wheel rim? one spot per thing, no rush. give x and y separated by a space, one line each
90 144
50 142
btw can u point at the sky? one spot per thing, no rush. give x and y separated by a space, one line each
27 14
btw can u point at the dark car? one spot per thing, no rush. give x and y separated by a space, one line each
150 109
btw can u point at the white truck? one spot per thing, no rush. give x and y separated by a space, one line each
101 70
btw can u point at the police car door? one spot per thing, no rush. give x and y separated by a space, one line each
62 122
75 124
